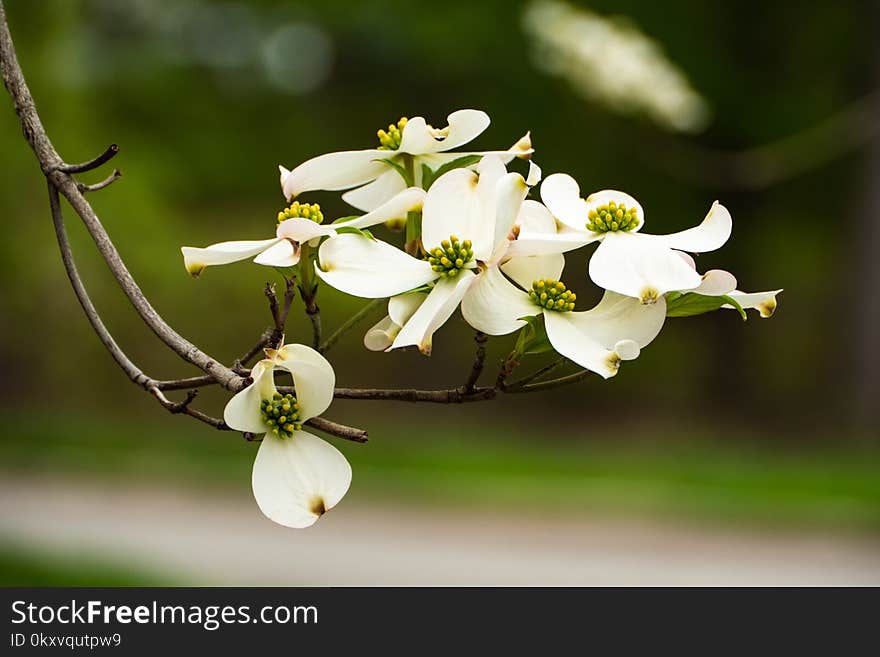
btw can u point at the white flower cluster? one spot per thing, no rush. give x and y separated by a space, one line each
612 62
473 241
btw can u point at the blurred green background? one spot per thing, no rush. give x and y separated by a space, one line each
753 427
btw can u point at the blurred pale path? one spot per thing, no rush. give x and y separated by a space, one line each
220 539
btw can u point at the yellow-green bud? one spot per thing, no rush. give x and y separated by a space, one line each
281 414
310 211
552 295
612 217
451 257
389 140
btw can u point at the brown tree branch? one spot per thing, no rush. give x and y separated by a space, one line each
448 396
56 172
479 361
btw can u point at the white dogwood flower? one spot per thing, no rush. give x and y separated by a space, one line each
628 262
297 477
467 224
597 339
409 143
298 224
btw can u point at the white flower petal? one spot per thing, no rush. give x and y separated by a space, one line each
535 218
534 176
454 206
627 349
764 302
381 336
529 243
526 270
369 268
562 196
372 195
617 317
578 347
242 412
410 199
711 234
282 254
196 259
494 305
332 171
298 479
510 192
716 282
640 266
463 126
433 313
302 230
606 196
313 378
404 306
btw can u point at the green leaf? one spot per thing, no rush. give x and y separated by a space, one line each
407 177
691 303
427 176
457 163
532 339
355 231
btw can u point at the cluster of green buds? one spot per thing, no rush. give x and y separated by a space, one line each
302 210
451 256
552 295
389 140
281 414
612 217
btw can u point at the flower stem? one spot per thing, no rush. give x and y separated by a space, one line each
348 324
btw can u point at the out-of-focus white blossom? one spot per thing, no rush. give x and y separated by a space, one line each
612 62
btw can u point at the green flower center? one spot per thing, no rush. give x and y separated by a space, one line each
302 210
451 256
281 414
612 217
389 140
552 295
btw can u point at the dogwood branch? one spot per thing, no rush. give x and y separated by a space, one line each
479 361
61 183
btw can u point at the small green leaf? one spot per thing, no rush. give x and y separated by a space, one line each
532 339
407 177
457 163
427 176
355 231
691 303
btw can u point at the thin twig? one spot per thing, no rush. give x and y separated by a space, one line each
92 164
109 180
552 383
125 363
556 364
479 361
350 323
507 366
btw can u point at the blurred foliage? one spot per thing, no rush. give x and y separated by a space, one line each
206 98
672 472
